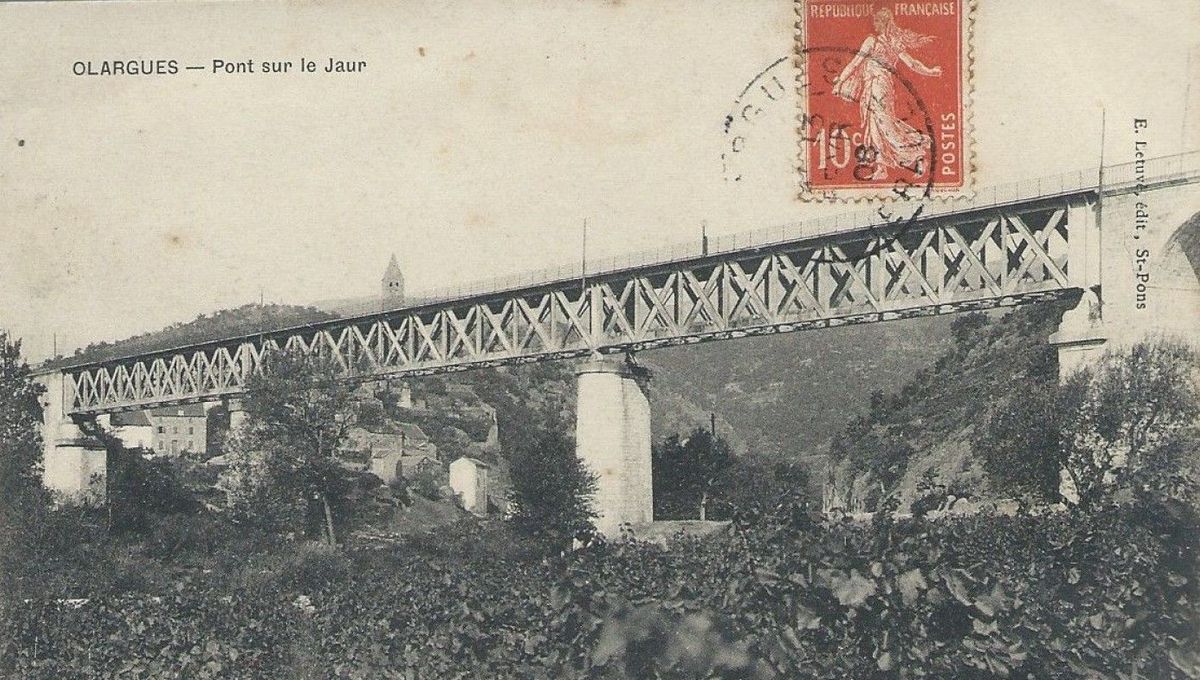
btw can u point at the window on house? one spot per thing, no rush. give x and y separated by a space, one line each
191 430
175 429
162 430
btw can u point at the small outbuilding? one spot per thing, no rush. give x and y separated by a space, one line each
133 429
469 482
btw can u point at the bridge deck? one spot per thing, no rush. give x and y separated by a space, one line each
1008 246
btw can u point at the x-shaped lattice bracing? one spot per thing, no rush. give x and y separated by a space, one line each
945 264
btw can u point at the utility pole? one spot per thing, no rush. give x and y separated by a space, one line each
1100 201
1187 96
704 237
1100 179
583 261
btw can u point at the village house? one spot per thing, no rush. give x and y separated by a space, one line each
469 483
395 454
177 429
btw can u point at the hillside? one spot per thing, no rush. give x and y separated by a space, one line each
786 395
224 323
926 427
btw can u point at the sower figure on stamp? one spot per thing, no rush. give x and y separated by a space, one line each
888 142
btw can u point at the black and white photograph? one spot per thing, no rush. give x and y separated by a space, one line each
667 339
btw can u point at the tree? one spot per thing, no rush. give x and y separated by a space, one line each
1020 441
1104 423
552 490
20 422
24 503
285 455
756 483
138 488
1123 411
686 471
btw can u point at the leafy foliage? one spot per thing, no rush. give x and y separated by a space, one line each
1101 426
551 489
23 503
20 417
1022 439
427 481
686 472
1103 593
140 489
1124 410
755 482
285 471
992 364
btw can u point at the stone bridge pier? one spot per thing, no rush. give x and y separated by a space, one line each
612 438
1138 262
74 465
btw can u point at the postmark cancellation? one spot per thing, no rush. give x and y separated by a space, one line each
884 90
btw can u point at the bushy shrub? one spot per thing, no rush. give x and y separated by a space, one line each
285 472
687 473
427 481
1106 427
312 567
400 491
142 489
173 536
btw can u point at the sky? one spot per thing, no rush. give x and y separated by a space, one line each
475 143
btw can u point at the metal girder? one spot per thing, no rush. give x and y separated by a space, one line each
970 260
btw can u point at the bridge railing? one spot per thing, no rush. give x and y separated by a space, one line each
1116 178
1184 167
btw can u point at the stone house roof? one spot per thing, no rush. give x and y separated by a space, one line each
411 440
413 434
129 419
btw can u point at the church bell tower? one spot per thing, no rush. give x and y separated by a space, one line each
392 285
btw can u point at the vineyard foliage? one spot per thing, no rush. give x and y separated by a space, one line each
1104 593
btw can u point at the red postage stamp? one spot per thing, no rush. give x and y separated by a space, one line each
884 90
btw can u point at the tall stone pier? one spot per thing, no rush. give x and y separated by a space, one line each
612 438
237 414
1140 274
75 467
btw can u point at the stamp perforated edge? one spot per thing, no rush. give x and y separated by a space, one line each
875 194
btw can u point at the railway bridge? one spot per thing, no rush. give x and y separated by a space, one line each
1106 234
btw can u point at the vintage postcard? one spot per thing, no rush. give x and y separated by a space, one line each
769 339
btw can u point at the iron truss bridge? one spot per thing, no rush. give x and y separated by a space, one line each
999 251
